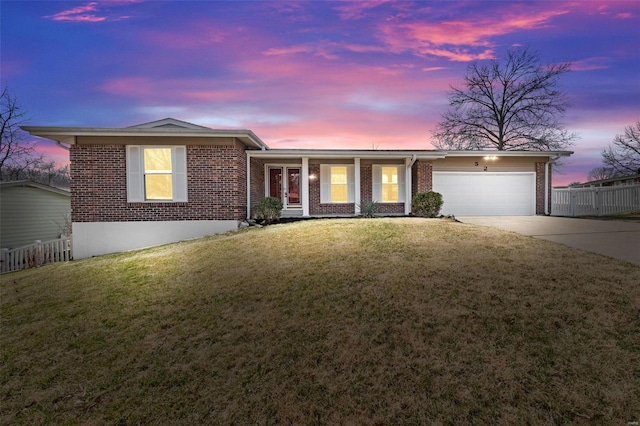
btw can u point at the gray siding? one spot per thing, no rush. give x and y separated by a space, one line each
28 214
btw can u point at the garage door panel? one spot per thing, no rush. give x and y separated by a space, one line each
482 194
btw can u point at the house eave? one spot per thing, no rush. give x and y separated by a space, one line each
344 154
495 153
32 184
68 135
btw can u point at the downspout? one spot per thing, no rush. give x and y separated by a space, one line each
547 167
248 186
546 188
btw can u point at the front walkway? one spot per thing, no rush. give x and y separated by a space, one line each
617 239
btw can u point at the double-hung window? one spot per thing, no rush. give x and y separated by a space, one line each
337 183
156 173
388 183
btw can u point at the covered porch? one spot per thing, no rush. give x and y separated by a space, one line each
325 183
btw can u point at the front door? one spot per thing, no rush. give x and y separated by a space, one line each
286 187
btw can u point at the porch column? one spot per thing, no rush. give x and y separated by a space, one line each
356 195
408 162
305 186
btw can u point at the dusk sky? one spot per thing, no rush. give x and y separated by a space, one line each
311 74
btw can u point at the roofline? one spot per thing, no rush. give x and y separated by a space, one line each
613 179
398 154
32 184
495 153
68 135
346 153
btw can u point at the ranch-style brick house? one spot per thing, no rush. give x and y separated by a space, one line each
170 180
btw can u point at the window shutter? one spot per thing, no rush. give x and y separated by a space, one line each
134 174
401 184
351 184
377 183
325 184
180 173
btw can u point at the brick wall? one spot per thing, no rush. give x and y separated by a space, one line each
216 183
315 207
540 188
366 182
421 177
257 182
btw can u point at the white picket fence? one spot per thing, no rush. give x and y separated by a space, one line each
36 254
599 201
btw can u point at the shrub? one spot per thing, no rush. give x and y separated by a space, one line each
269 209
369 208
426 204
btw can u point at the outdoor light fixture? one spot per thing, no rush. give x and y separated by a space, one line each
312 177
491 157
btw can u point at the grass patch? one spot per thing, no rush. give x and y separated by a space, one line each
381 321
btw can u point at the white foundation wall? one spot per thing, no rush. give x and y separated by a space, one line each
97 238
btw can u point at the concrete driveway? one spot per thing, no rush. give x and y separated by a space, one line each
617 239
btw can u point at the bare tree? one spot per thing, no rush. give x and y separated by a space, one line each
19 159
624 155
600 173
15 153
515 106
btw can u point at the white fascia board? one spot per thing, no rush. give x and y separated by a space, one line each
344 154
69 134
482 153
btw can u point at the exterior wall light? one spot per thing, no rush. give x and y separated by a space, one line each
312 177
491 157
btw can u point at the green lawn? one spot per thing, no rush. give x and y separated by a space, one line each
351 322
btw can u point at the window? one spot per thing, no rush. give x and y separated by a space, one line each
158 182
156 174
337 183
388 184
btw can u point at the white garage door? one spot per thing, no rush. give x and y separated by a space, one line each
486 194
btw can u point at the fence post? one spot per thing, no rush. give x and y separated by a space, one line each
38 257
4 260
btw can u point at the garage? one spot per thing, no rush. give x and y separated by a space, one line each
486 194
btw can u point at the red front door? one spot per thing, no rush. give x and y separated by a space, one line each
288 190
275 183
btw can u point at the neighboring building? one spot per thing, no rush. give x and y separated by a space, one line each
31 211
170 180
616 181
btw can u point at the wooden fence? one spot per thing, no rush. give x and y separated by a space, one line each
34 255
599 201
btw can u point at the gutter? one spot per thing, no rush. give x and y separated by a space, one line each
62 146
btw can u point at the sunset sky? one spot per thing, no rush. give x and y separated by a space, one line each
311 74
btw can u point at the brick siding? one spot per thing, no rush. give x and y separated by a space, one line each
257 182
540 188
421 177
216 184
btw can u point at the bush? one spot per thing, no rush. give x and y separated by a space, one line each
426 204
369 208
269 209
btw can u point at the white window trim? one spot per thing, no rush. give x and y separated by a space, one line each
325 183
135 174
376 182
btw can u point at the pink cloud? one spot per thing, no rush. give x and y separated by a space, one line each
291 50
590 64
460 40
85 13
357 9
79 14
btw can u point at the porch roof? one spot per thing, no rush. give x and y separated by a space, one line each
398 154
